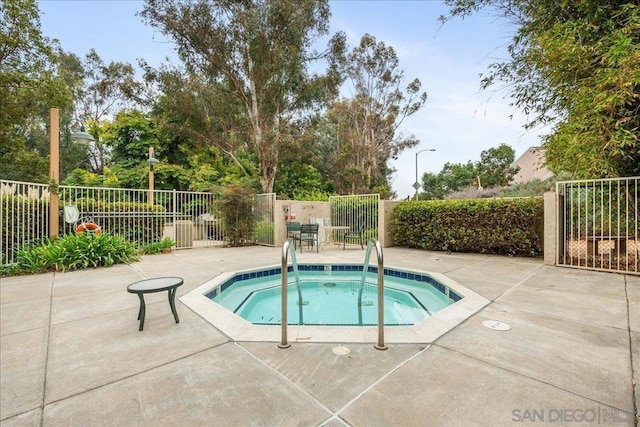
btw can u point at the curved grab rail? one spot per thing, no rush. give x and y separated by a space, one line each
286 249
285 254
370 245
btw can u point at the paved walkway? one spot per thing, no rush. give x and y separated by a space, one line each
71 353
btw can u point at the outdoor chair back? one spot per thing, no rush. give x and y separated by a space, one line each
354 235
309 234
293 229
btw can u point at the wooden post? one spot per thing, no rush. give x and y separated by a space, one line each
54 170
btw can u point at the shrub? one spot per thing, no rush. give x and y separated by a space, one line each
535 187
236 207
73 252
156 247
264 231
512 226
311 195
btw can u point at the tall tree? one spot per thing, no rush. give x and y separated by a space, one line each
29 87
106 88
495 167
261 51
191 113
368 124
576 64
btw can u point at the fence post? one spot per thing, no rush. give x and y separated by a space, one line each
54 170
550 244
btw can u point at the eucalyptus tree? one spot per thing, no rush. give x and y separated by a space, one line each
574 64
257 52
306 164
368 124
192 114
106 88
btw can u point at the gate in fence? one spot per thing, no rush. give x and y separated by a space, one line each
359 213
265 219
598 224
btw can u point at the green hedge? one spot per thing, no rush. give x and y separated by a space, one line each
507 226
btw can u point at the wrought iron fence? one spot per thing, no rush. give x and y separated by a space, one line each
24 216
598 224
188 218
265 219
358 212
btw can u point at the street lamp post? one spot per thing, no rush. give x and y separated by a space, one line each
416 184
152 161
54 165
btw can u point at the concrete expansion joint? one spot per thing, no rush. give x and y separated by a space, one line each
529 276
46 350
284 377
382 378
502 368
125 377
335 415
634 375
564 318
479 261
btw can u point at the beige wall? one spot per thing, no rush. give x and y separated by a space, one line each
306 210
550 227
531 166
385 209
303 210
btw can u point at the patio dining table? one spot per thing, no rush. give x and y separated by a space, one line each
328 233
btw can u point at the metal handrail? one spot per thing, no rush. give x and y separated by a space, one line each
365 267
286 249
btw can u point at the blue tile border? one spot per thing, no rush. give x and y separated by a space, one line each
413 276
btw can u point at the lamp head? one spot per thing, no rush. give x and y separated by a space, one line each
82 137
152 161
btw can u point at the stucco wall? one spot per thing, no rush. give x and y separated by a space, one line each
385 209
531 165
303 211
550 229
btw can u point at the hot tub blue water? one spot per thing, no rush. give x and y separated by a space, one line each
330 296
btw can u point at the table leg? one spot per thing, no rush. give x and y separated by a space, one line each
141 312
172 303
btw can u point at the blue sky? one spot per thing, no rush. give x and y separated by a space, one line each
458 120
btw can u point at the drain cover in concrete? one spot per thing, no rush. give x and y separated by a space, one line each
341 350
495 325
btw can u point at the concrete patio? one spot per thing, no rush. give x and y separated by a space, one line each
71 353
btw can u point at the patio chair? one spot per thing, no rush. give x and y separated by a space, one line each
293 229
353 235
308 233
